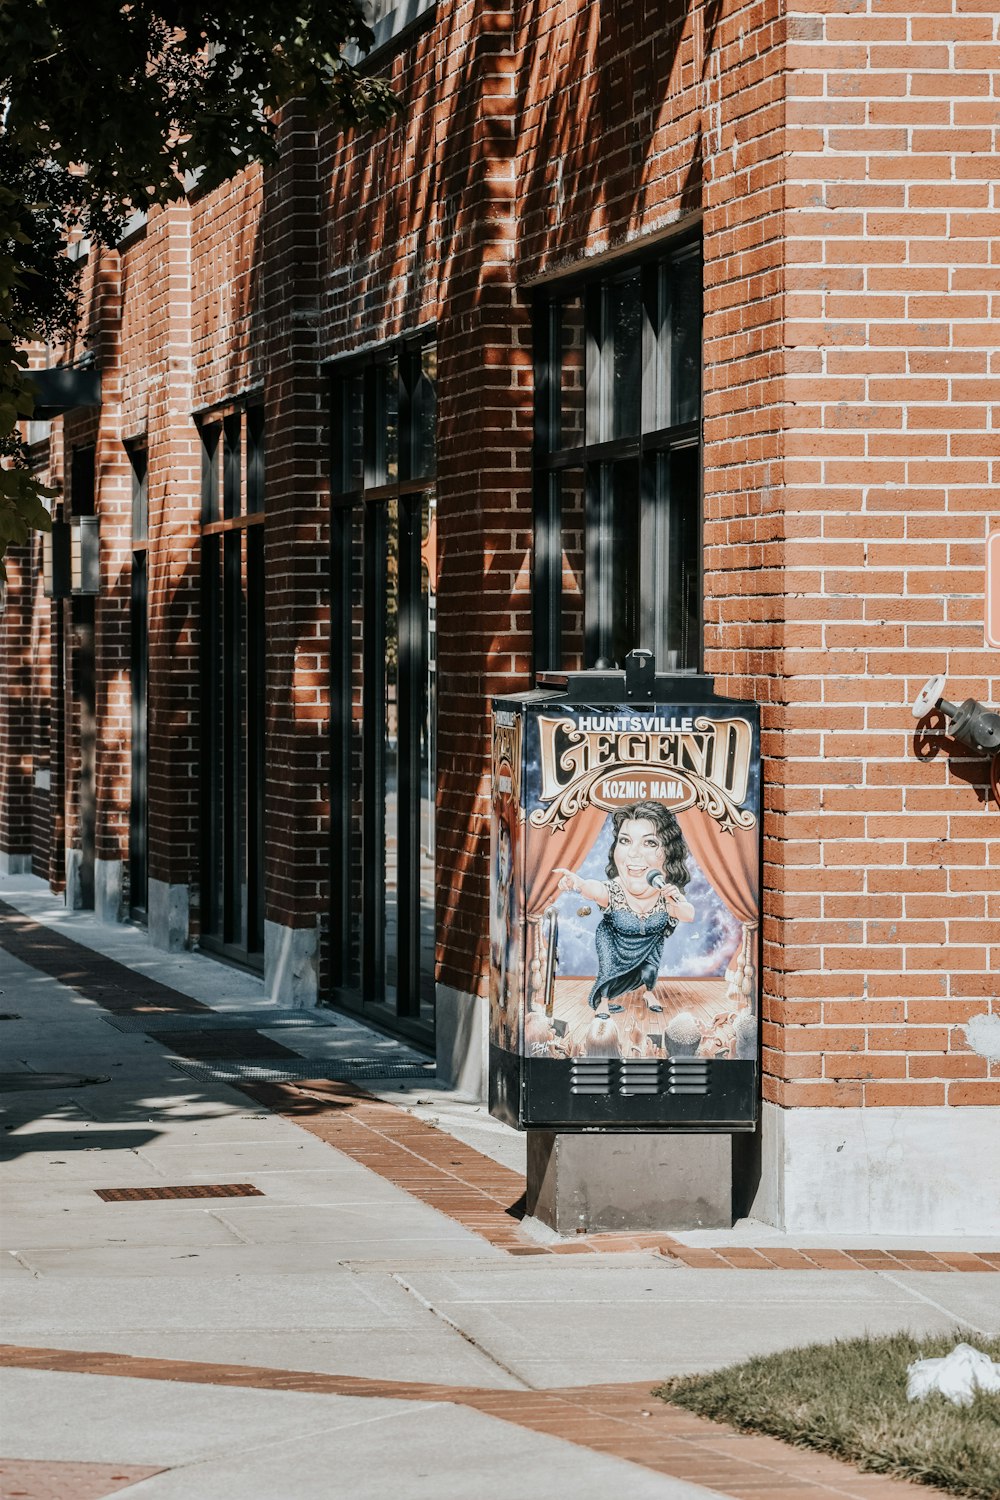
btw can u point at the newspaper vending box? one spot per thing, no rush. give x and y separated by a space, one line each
624 905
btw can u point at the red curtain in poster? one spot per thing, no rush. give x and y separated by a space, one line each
730 861
548 852
731 865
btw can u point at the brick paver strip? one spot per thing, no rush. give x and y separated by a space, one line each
40 1479
625 1421
485 1197
425 1162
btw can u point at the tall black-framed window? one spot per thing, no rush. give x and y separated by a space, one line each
232 685
617 560
383 696
138 828
83 684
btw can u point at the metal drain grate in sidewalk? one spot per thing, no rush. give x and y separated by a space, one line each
347 1070
217 1020
184 1190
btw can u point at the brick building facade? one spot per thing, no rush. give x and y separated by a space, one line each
317 471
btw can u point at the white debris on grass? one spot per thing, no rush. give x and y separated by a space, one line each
958 1376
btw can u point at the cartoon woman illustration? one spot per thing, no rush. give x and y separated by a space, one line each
500 928
642 901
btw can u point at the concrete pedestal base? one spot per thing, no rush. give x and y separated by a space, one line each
77 898
14 864
108 902
291 965
461 1041
588 1182
909 1170
168 915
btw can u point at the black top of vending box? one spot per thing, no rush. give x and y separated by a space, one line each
639 683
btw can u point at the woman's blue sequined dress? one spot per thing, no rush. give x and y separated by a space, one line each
629 947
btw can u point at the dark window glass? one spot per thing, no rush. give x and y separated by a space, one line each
623 362
140 494
232 468
383 573
383 433
233 673
347 451
139 677
421 376
389 579
617 560
427 729
210 509
82 481
255 460
684 291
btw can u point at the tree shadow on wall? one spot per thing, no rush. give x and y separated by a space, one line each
544 134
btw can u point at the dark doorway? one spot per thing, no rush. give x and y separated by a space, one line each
383 693
232 603
83 687
83 693
139 663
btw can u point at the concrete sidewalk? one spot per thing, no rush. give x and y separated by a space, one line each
474 1370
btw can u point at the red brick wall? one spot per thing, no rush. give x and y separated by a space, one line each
887 936
297 491
226 303
840 161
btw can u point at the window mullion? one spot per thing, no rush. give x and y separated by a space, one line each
373 773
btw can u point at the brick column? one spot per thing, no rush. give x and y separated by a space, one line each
174 517
296 591
894 930
740 62
112 640
483 507
850 446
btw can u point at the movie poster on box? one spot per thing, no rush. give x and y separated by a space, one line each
506 884
640 883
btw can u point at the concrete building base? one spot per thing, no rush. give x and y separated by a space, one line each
880 1171
14 864
587 1182
73 866
461 1041
108 902
167 923
291 965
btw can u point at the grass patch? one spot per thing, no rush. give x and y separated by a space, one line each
848 1399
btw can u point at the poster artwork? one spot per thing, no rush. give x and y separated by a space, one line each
636 905
506 890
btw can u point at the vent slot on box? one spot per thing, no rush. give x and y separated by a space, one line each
590 1075
641 1076
688 1075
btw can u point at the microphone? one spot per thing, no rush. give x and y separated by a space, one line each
655 879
